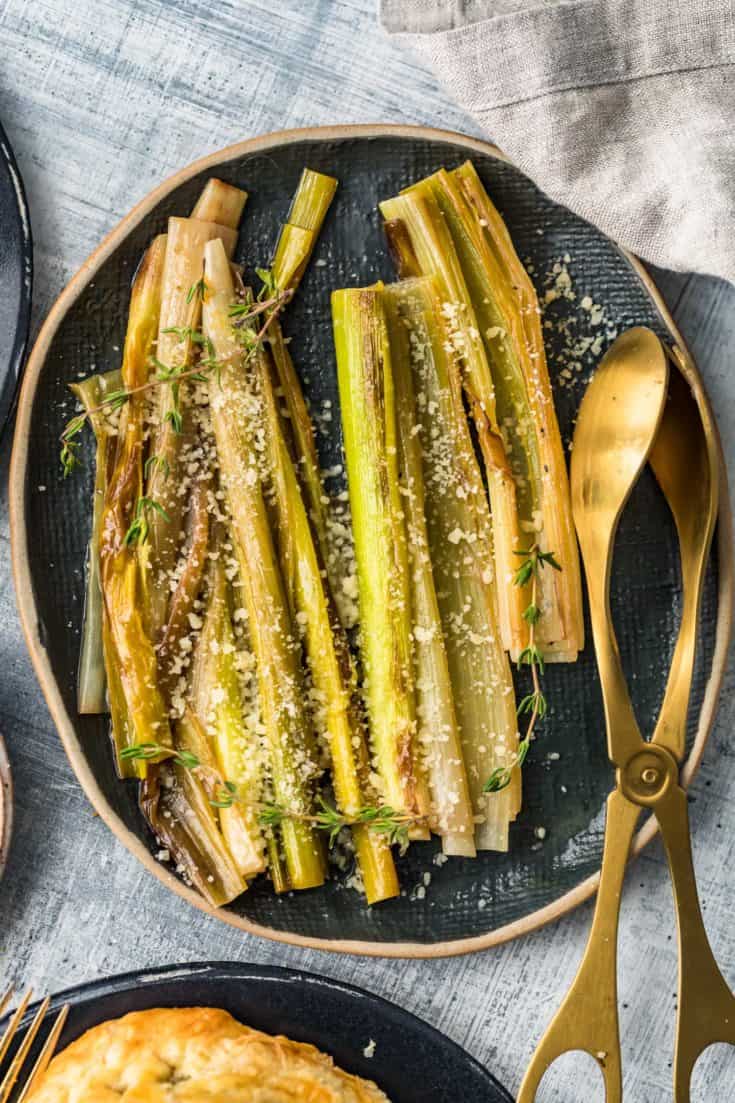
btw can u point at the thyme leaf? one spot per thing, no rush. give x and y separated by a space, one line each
146 751
534 704
139 529
157 463
197 291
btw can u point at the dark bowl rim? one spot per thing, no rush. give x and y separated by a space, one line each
27 608
139 979
9 388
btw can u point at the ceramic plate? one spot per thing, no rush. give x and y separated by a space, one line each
594 291
16 270
412 1062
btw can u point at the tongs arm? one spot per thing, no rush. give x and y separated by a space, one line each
706 1006
647 774
588 1018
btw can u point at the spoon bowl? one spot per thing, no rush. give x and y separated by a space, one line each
616 426
685 464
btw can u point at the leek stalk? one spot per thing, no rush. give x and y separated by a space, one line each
91 679
526 405
234 415
217 702
327 650
181 308
221 203
439 737
190 580
177 801
296 243
369 426
433 251
457 235
131 652
458 525
298 236
330 660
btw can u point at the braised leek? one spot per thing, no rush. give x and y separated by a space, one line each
526 406
369 427
234 412
91 679
439 737
130 649
178 803
432 253
178 341
295 246
327 650
221 203
458 237
299 234
217 703
458 528
211 623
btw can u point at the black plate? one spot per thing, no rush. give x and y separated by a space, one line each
564 795
16 275
413 1062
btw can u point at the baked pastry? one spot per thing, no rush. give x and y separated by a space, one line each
194 1055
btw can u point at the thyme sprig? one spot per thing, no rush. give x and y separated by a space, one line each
394 826
226 796
156 463
69 444
144 752
224 793
270 302
166 375
534 704
197 290
139 529
382 819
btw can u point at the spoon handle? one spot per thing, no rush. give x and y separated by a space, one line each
588 1018
706 1006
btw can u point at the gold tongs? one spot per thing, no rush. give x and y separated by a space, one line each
632 413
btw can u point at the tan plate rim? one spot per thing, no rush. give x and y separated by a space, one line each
6 806
42 666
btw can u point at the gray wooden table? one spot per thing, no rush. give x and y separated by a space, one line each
101 101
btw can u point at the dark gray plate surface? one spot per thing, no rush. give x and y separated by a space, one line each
413 1063
16 270
567 776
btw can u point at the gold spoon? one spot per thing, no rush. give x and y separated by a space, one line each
619 426
685 462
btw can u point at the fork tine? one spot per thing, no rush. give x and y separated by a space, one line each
46 1053
6 998
16 1064
13 1024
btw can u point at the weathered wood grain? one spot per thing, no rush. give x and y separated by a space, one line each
102 100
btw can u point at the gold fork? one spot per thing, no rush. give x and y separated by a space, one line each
15 1067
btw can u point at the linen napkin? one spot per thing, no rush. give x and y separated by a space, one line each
623 110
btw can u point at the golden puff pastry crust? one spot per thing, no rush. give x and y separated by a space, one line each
194 1055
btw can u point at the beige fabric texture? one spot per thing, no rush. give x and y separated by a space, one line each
623 110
